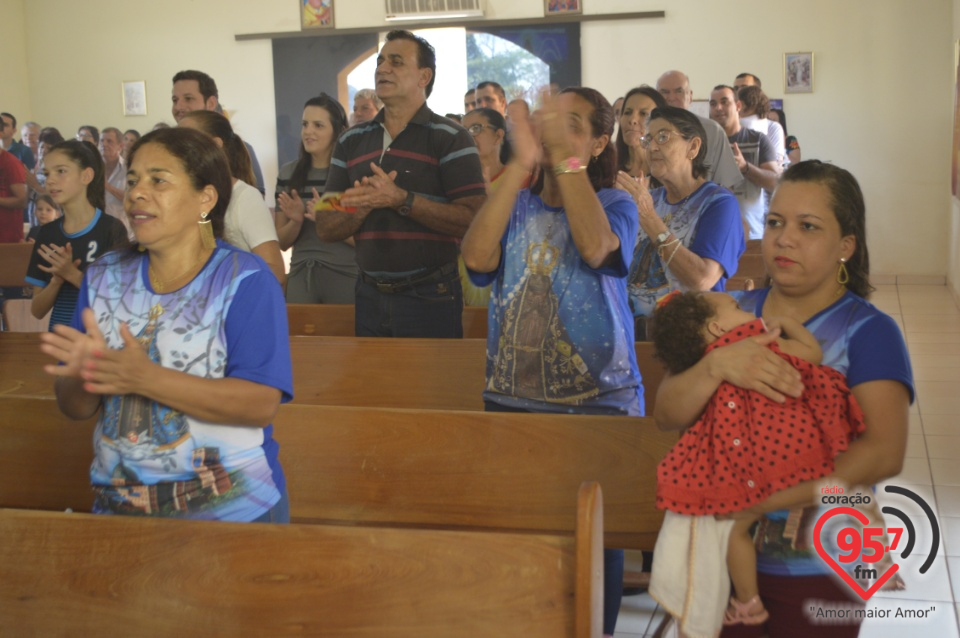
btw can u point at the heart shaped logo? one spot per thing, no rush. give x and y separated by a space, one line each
828 559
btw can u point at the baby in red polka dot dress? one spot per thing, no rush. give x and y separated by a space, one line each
746 448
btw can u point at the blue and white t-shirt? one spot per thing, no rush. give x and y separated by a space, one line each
863 344
707 222
561 333
229 322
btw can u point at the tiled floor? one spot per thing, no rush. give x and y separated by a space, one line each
930 319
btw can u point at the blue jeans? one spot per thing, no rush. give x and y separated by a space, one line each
279 513
612 558
429 310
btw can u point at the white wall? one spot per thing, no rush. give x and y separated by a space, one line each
953 265
882 103
14 84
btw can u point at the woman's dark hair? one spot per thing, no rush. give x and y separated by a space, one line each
754 100
623 153
495 119
690 127
135 132
678 330
338 120
86 155
93 130
782 118
216 125
846 199
602 170
50 136
202 160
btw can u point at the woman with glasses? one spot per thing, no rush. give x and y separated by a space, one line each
489 130
691 236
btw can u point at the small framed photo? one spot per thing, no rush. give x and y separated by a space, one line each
562 7
316 14
798 72
135 97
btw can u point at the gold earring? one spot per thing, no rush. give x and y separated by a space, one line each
843 276
206 232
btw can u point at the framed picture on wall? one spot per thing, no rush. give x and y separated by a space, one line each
798 72
316 14
562 7
134 97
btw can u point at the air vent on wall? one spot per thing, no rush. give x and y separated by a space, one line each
400 10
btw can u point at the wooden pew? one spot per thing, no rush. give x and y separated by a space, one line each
336 320
80 574
425 374
14 259
751 271
348 466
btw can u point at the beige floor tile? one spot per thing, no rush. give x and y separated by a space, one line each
915 425
948 500
945 471
940 405
636 612
950 528
915 472
933 323
936 389
932 281
932 348
916 447
925 360
941 424
942 307
932 337
929 372
917 288
933 586
940 623
943 447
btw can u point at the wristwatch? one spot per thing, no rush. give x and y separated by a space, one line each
569 165
662 237
407 206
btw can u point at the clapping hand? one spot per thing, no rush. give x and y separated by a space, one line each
374 191
292 206
62 263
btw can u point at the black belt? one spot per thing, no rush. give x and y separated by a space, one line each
393 286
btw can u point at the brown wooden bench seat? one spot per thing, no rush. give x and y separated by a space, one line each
424 374
337 320
347 465
85 575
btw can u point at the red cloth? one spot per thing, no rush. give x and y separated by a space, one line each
745 447
12 172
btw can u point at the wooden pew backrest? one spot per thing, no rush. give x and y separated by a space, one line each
421 374
337 320
443 469
14 259
84 575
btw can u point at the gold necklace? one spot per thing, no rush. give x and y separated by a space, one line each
159 284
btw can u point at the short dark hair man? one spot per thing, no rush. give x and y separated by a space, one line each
747 79
196 91
491 95
21 151
754 154
415 179
469 101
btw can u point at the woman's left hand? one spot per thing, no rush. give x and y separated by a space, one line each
124 371
62 263
552 123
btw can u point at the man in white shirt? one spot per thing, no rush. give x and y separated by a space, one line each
721 167
111 146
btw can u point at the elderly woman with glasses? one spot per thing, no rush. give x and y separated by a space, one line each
489 130
691 236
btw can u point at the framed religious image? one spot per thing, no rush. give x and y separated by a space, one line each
798 72
562 7
135 97
316 14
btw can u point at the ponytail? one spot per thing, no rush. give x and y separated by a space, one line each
216 125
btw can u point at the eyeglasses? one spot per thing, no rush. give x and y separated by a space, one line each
476 129
661 138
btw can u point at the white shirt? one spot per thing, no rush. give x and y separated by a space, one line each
117 179
248 222
773 131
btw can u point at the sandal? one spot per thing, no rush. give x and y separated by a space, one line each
751 612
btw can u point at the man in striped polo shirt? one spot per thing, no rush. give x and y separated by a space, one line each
416 182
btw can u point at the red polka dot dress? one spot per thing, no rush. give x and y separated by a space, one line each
745 447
